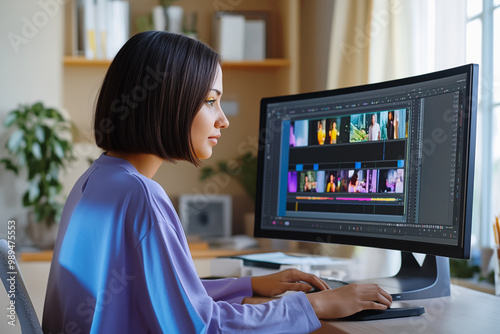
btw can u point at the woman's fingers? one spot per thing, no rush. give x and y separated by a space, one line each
370 305
313 280
379 295
349 299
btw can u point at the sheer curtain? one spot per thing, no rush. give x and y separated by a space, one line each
377 40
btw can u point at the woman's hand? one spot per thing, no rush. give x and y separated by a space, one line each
287 280
349 299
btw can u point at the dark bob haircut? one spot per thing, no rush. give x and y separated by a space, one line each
152 91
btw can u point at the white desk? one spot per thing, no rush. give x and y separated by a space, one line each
465 311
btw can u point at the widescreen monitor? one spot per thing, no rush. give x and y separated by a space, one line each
386 165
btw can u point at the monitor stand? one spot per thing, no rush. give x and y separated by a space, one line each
431 280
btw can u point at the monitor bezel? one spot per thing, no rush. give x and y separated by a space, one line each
462 249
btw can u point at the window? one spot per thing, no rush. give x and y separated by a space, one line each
483 47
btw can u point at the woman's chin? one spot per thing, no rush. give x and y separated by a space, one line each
204 155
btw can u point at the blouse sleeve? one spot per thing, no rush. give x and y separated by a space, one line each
182 304
231 290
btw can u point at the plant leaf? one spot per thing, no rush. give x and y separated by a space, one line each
38 108
15 141
53 172
58 150
22 159
33 190
36 150
26 201
11 118
206 173
9 165
39 133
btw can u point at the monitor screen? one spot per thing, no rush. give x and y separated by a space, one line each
386 165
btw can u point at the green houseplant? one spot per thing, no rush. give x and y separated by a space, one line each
41 144
243 168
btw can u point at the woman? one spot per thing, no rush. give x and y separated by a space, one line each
121 263
321 133
333 133
353 183
390 125
330 187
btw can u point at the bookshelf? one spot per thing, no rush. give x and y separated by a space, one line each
245 82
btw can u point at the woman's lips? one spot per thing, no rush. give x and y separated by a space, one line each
214 139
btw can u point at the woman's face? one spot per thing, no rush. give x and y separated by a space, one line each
209 120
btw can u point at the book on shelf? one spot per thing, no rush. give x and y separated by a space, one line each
118 27
100 27
229 36
255 40
89 27
240 35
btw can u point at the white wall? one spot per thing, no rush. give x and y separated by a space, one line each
31 49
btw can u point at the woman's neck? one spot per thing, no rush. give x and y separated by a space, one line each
146 164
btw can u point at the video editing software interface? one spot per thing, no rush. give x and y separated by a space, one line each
385 162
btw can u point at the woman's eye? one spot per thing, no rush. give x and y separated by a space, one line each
210 102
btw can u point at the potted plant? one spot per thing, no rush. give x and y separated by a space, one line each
41 144
243 169
168 17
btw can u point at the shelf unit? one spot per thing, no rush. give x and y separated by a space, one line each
271 63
